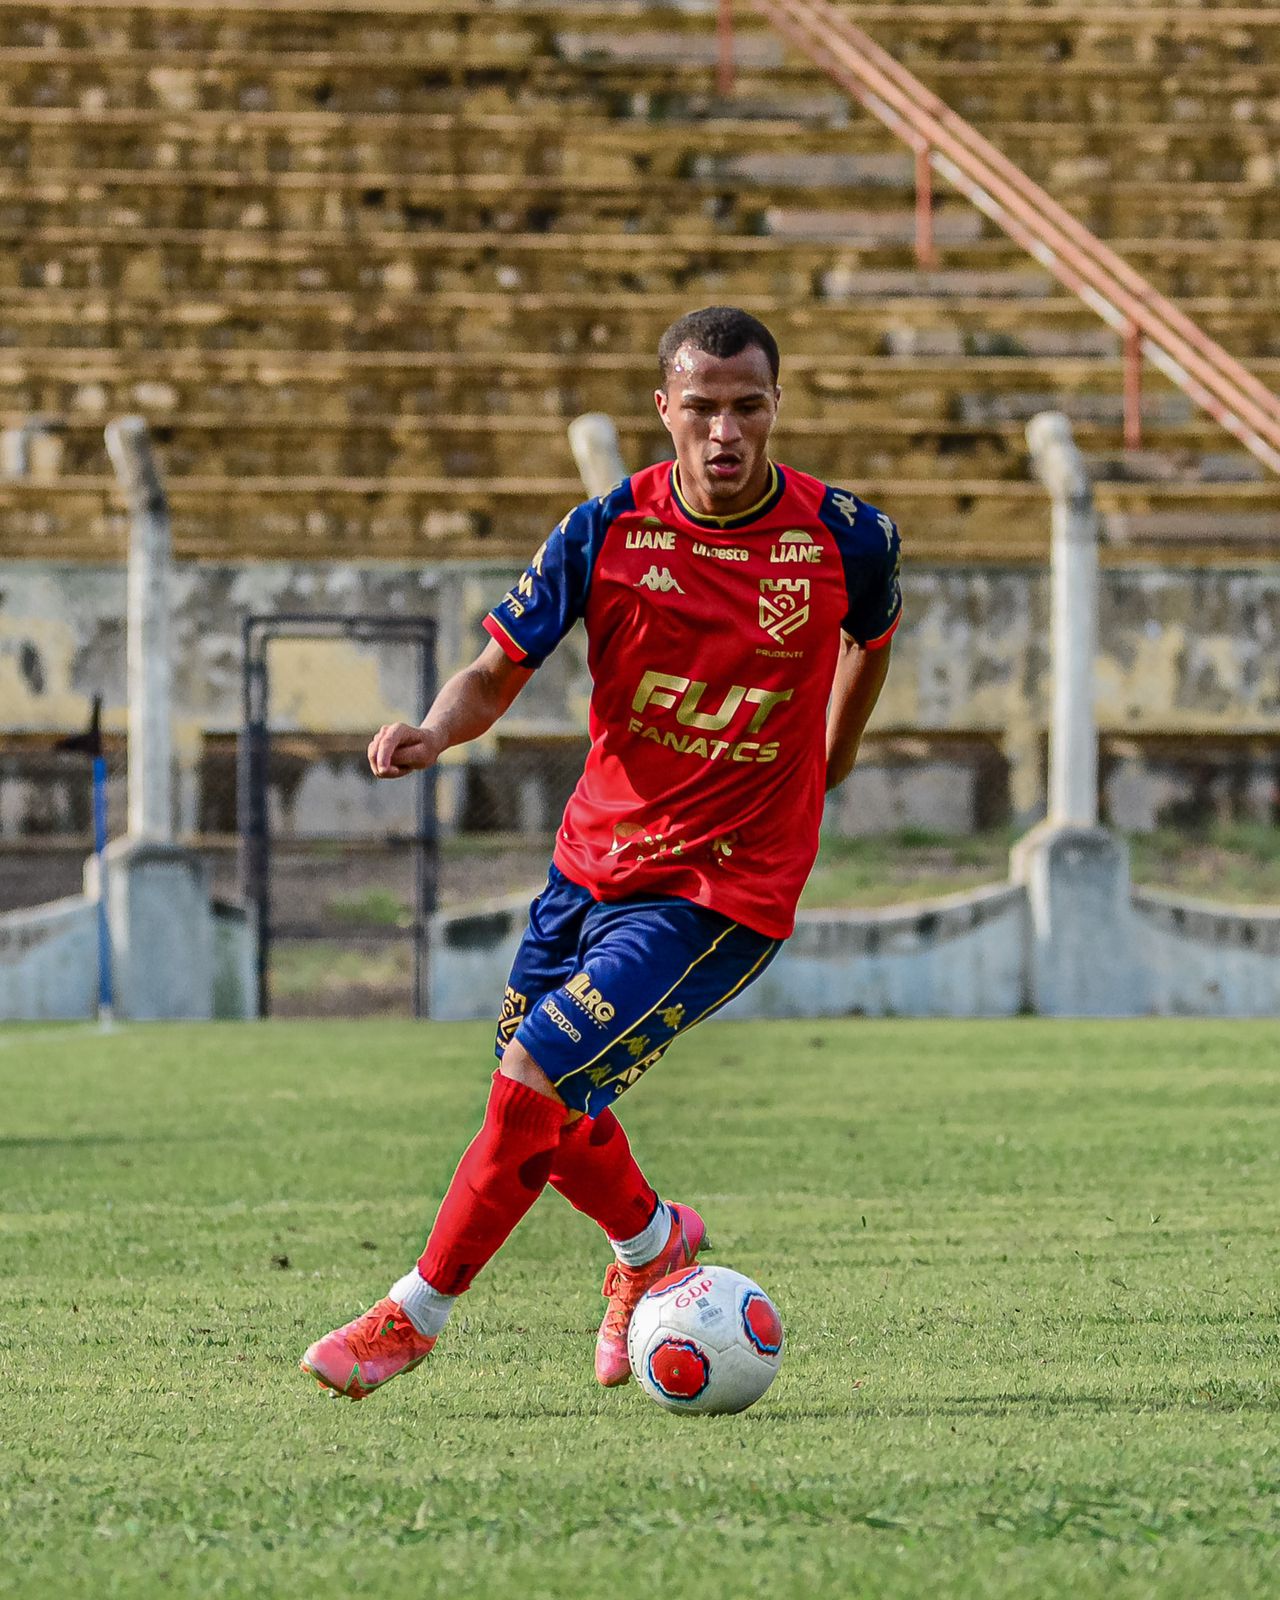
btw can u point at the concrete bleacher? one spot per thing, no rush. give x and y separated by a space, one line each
359 264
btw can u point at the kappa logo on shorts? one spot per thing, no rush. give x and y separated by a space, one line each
561 1021
589 999
514 1006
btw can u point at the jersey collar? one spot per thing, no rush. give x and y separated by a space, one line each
753 513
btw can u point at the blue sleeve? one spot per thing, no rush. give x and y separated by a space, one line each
869 552
551 594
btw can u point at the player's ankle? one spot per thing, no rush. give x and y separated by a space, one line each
424 1306
647 1245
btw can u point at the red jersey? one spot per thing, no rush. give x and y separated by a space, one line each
712 644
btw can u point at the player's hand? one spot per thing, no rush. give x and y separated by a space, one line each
397 749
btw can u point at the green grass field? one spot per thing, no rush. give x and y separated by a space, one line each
1029 1273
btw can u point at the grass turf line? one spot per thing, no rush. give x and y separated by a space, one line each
1028 1272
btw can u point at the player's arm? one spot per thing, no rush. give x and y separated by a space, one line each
524 628
860 676
467 706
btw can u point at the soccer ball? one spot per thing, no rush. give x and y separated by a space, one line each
705 1339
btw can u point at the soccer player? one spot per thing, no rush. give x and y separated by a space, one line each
738 616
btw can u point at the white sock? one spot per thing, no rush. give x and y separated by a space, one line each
424 1306
641 1249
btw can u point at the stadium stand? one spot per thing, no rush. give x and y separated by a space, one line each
359 264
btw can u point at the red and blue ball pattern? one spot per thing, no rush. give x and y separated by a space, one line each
679 1369
761 1323
674 1281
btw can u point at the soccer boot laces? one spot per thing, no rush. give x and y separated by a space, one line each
357 1359
624 1286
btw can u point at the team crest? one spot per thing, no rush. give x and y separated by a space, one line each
784 605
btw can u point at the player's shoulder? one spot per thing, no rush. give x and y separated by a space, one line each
590 519
859 527
852 519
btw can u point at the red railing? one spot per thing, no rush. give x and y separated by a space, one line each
1149 324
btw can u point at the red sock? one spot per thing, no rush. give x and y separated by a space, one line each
503 1172
594 1170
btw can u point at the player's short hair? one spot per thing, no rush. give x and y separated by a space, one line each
721 331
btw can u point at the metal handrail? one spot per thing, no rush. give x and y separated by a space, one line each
1149 324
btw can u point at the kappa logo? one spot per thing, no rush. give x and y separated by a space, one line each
630 1076
561 1021
659 581
796 545
784 606
847 504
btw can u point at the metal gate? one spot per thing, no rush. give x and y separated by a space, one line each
268 758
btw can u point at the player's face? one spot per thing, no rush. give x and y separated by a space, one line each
720 411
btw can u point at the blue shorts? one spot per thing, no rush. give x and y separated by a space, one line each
599 990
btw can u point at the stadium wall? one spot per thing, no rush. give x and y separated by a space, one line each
1186 654
49 957
965 955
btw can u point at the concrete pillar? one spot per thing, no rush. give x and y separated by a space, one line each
162 930
32 449
1081 952
162 919
149 666
1073 732
594 442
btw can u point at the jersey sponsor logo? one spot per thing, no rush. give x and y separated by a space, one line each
589 999
669 691
688 744
721 552
651 539
658 581
784 606
796 545
561 1021
846 504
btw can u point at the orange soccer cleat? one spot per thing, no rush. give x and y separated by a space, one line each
624 1286
357 1359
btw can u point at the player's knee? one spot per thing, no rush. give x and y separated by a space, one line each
517 1063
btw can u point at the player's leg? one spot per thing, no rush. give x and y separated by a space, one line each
595 1171
650 970
501 1174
